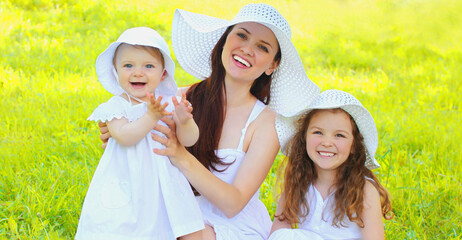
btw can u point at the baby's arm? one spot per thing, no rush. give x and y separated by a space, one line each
187 130
372 214
129 133
278 224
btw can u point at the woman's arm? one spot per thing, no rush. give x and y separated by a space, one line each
105 135
229 198
278 224
372 214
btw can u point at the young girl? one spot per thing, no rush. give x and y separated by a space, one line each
134 193
329 189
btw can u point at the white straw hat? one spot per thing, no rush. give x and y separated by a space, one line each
195 35
136 36
331 99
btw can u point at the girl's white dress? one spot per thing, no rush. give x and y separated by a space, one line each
134 193
318 224
253 222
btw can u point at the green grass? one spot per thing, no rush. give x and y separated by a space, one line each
401 59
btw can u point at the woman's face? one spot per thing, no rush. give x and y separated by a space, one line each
249 51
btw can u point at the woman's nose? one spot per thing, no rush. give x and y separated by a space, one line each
247 50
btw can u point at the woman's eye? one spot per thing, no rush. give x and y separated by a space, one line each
241 35
128 65
149 66
264 48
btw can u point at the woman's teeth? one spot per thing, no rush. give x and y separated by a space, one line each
241 60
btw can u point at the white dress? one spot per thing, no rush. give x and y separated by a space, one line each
318 224
134 193
253 222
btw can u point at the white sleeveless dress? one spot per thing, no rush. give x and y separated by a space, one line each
134 193
318 224
253 222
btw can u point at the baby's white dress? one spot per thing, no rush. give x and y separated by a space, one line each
253 222
134 193
318 224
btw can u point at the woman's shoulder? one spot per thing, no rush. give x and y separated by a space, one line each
267 115
265 123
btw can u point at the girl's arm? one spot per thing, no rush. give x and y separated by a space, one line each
278 224
187 130
105 134
372 214
129 133
229 198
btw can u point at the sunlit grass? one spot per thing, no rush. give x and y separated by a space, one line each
402 59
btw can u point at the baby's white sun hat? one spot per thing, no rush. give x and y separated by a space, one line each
195 35
136 36
331 99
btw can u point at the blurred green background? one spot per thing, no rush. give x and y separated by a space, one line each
401 59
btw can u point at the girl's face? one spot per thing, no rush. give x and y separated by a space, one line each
329 139
249 51
139 71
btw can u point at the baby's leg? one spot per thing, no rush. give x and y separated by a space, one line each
192 236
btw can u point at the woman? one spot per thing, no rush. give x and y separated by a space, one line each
247 63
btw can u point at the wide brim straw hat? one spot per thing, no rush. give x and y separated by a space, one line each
136 36
331 99
195 35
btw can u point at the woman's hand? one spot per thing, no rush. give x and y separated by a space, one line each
173 149
105 135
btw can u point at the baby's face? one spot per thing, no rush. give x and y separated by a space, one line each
138 70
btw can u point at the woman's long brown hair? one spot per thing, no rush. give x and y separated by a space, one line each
209 100
300 172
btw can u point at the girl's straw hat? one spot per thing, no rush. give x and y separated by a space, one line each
136 36
195 35
330 99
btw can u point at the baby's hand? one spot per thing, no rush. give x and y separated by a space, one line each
183 109
155 108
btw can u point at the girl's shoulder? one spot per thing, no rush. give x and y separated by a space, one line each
371 194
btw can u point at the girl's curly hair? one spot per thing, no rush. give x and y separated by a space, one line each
300 172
